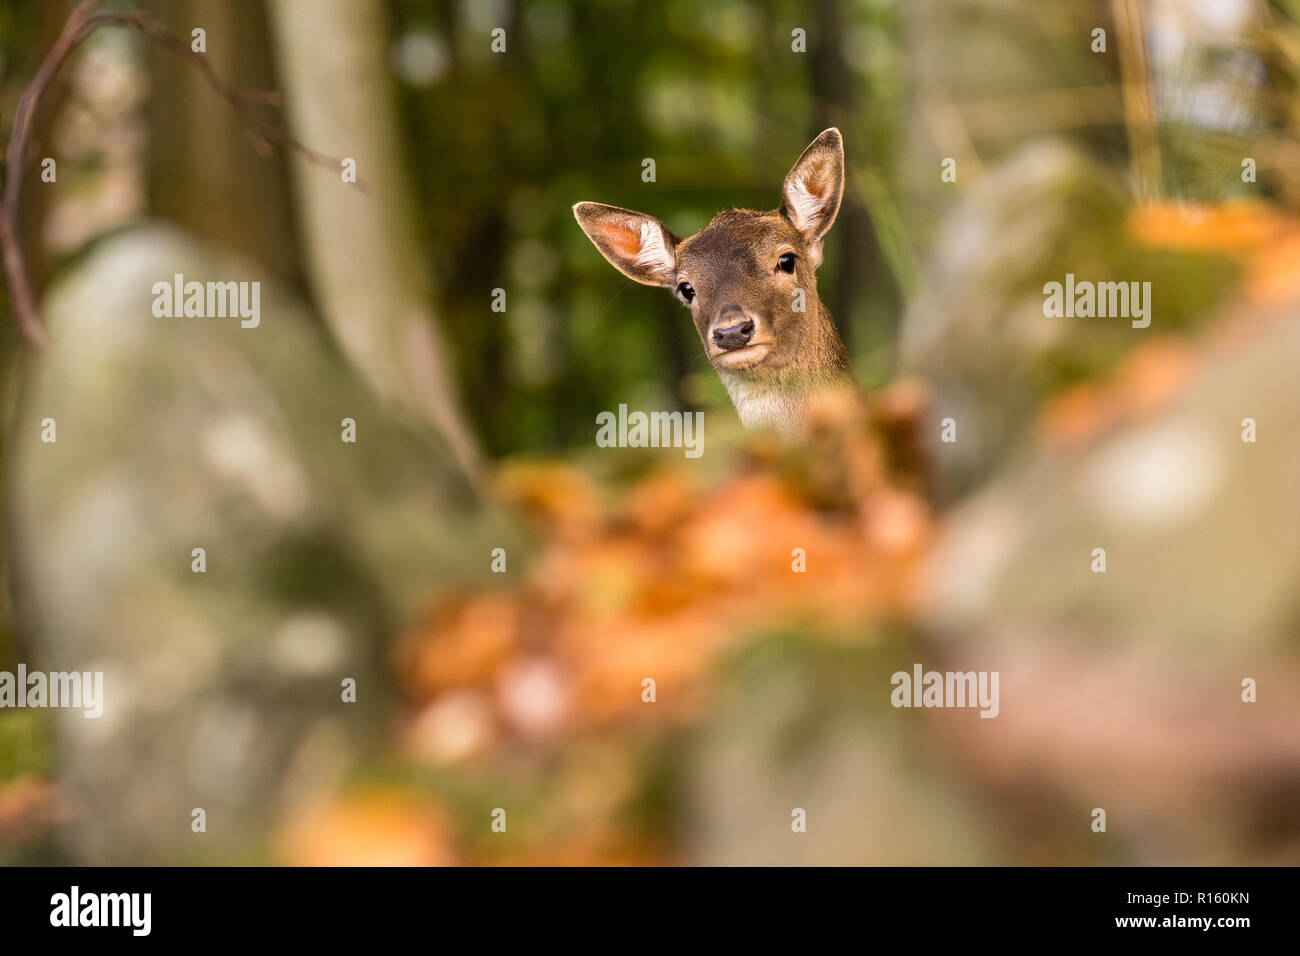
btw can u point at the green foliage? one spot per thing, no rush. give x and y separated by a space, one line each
504 145
25 743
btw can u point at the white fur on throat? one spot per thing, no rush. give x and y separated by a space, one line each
763 405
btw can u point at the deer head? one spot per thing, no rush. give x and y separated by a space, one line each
749 280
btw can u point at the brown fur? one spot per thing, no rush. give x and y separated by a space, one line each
732 265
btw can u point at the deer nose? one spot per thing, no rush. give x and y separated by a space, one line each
735 336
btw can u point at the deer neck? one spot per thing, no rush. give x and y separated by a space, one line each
782 398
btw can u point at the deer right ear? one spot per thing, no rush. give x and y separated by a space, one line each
810 197
637 245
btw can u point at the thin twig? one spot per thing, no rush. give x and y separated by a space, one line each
1139 105
84 21
262 135
15 263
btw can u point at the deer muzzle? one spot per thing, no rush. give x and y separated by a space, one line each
732 329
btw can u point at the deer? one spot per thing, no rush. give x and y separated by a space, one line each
749 281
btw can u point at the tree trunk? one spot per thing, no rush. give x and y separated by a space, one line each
360 239
204 174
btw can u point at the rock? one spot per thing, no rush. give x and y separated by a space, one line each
223 688
978 333
1123 689
805 727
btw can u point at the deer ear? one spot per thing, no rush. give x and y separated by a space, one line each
810 198
637 245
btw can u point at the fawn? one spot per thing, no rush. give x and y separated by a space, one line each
749 279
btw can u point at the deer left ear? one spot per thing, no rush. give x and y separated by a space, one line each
637 245
810 198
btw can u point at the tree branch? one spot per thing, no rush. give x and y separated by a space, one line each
81 23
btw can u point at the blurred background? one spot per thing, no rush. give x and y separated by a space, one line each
500 589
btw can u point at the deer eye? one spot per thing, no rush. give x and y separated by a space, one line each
786 262
686 291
